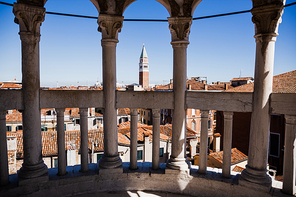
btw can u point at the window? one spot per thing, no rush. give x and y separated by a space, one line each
55 163
19 127
43 128
209 124
48 112
99 156
148 114
77 121
274 145
65 127
193 125
8 128
161 152
139 155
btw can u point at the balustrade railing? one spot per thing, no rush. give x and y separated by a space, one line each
222 101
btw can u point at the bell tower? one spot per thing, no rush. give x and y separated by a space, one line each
144 69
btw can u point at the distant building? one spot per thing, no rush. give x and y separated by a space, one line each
241 81
144 69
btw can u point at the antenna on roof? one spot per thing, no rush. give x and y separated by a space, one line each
57 84
240 73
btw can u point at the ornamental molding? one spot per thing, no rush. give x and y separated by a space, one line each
180 28
110 25
267 19
155 113
29 18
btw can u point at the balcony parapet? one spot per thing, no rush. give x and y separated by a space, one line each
144 178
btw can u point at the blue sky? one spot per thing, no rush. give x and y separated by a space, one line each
70 48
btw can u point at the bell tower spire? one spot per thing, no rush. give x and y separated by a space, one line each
144 69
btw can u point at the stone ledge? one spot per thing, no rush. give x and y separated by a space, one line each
106 180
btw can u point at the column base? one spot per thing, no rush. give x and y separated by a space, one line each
256 176
32 171
178 164
108 162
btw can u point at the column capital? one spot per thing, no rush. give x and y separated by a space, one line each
110 26
267 19
290 119
228 114
134 111
60 110
29 19
180 28
155 113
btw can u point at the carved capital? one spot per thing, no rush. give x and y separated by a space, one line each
29 18
228 115
180 27
155 113
110 25
267 19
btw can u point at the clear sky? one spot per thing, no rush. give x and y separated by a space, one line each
70 48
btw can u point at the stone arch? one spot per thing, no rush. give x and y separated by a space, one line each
96 4
194 5
165 3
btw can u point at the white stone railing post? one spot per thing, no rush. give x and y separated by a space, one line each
290 156
180 27
84 138
134 139
62 164
266 19
203 149
110 25
156 138
4 177
227 144
30 19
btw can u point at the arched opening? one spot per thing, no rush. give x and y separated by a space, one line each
223 44
70 47
155 35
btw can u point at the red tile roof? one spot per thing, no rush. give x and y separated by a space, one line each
72 141
124 111
242 79
15 116
283 83
238 169
10 86
236 156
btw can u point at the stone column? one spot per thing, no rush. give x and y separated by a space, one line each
61 142
29 19
203 150
180 27
110 25
290 156
227 144
134 139
266 19
84 138
156 138
4 178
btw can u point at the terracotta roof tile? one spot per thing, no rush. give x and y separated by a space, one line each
124 111
15 116
283 83
10 86
236 156
242 79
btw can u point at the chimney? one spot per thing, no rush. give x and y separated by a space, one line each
189 87
171 81
203 81
226 86
218 82
216 142
206 87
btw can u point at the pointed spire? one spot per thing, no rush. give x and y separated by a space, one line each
144 53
